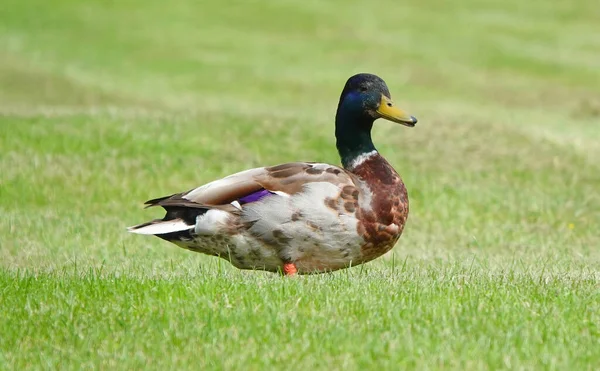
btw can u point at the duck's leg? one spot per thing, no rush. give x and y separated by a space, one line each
289 269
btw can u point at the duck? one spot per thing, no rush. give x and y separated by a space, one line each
301 217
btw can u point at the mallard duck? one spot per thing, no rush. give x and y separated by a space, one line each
301 217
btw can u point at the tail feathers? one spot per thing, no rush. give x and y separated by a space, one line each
159 226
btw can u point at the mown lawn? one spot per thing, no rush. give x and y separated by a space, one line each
104 105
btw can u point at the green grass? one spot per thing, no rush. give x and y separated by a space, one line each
438 315
106 104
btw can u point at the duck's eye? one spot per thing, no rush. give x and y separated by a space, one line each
363 89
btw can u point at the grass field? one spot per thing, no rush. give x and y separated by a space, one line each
104 105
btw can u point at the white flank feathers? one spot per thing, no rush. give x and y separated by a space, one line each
211 222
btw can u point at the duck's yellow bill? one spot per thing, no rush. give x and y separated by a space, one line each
389 111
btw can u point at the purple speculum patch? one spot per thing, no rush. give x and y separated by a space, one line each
253 197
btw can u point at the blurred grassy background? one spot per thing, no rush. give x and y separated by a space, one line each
105 104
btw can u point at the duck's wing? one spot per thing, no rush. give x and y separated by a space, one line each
251 184
218 200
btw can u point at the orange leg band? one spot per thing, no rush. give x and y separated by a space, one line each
289 269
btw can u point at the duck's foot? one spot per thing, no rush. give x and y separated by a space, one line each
289 269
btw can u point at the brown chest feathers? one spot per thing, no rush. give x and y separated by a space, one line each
381 223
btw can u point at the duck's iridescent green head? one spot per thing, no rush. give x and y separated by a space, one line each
364 99
368 95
